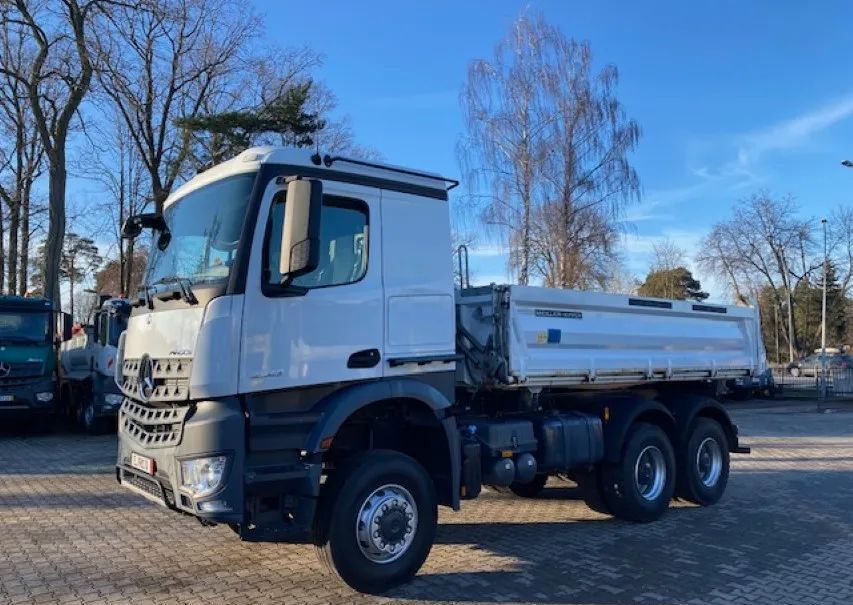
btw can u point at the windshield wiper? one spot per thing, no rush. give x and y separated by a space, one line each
184 286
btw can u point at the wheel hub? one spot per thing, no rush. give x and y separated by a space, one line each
650 473
386 524
709 462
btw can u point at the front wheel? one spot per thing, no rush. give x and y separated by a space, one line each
640 486
704 471
376 520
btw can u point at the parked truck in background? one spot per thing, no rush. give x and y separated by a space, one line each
30 333
89 393
299 361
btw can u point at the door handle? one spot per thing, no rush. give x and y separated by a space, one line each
364 359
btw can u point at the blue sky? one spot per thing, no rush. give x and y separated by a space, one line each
732 97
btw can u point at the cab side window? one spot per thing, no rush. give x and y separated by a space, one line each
343 244
103 328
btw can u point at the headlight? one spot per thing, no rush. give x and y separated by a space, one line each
203 476
44 397
113 399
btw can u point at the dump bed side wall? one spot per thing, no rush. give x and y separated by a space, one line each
566 337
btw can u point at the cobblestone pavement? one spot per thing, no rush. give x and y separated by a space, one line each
783 534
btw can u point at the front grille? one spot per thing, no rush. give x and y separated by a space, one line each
152 426
171 378
149 486
15 382
22 369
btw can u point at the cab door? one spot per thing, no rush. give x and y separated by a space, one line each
326 326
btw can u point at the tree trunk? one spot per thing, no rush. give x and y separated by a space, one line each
791 336
128 278
14 228
23 274
56 229
2 248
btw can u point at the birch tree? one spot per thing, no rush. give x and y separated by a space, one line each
546 150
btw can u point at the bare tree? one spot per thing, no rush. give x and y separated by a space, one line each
505 133
20 161
586 168
840 238
764 243
548 140
163 63
56 75
115 164
667 254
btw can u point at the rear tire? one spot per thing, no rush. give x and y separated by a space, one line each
704 468
89 420
589 484
640 486
376 520
530 490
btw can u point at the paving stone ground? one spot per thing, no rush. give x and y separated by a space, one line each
783 534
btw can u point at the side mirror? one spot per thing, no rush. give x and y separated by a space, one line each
67 324
134 225
300 232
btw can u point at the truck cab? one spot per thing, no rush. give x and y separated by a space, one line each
28 350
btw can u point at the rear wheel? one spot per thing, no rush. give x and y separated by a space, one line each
89 421
589 484
530 490
376 520
704 470
640 486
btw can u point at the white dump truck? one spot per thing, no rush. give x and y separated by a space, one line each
89 395
300 362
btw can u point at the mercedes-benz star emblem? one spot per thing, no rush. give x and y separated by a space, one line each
5 369
145 384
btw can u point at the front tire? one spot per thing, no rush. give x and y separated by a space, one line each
376 520
704 471
639 487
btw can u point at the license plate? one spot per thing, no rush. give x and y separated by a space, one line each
146 465
7 398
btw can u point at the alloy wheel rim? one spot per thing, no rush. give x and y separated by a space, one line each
650 473
709 461
386 524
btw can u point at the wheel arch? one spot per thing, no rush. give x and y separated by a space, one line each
418 410
687 407
639 409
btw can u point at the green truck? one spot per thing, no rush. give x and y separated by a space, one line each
30 334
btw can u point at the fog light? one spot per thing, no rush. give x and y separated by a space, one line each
113 399
44 397
203 476
214 506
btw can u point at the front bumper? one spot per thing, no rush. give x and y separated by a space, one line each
205 428
104 389
19 398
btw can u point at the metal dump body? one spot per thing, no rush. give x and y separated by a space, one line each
521 335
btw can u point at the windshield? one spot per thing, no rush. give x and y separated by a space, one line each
118 324
205 228
25 327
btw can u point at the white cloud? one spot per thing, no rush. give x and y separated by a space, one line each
793 132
